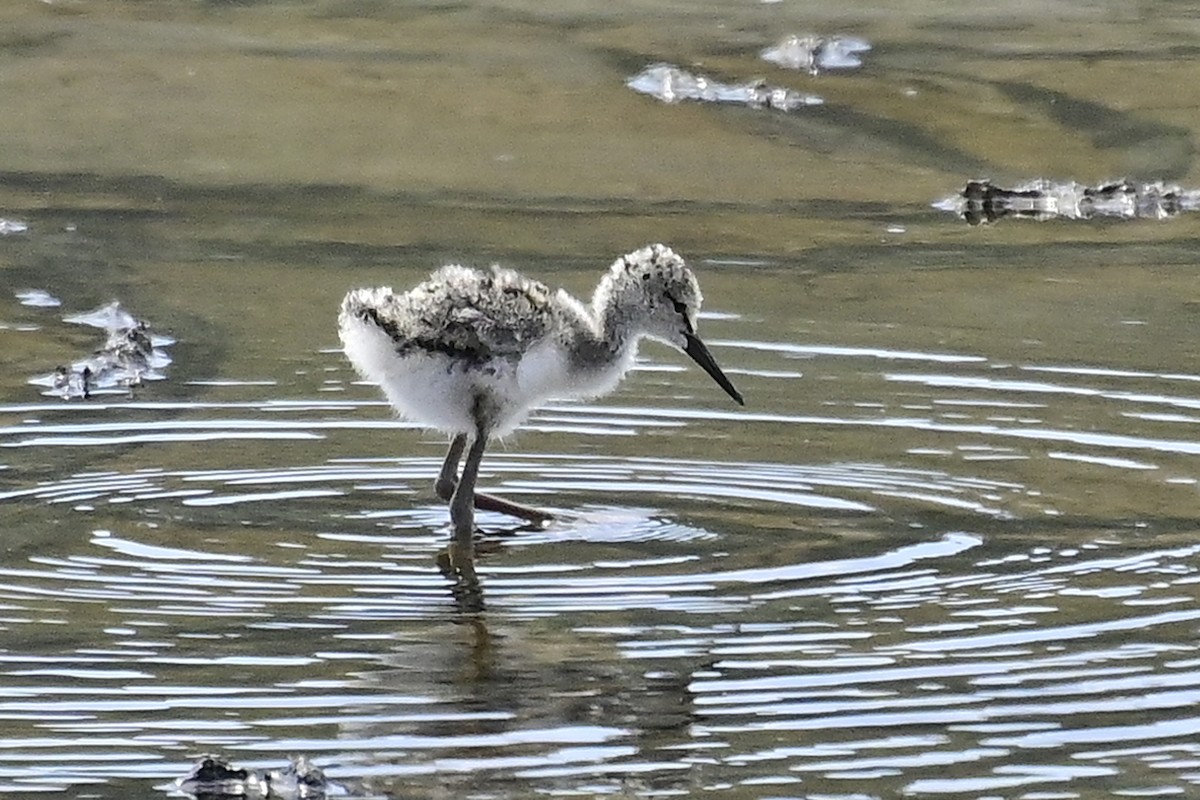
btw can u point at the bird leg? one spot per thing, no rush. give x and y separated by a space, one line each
447 483
462 511
447 479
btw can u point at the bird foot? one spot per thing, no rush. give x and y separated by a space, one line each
489 502
535 516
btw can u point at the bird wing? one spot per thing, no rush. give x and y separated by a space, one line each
474 316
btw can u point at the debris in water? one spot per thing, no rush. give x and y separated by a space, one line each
110 317
38 298
8 227
816 53
300 779
131 354
982 201
66 382
213 778
671 84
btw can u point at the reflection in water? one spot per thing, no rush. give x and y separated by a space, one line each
10 227
38 298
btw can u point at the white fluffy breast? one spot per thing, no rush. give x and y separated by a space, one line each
547 373
421 387
434 390
541 372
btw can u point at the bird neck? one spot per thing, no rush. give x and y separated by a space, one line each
600 341
600 338
612 321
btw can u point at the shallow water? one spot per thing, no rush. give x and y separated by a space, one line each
948 547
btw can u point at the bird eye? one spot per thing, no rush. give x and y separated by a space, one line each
681 309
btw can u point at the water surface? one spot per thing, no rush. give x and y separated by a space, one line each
948 547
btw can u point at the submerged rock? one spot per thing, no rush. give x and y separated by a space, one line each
982 201
298 780
214 778
670 84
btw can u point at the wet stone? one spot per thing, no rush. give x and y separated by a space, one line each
670 84
131 355
214 778
815 54
982 201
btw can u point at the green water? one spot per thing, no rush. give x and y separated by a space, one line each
946 549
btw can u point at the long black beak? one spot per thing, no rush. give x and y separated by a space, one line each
699 353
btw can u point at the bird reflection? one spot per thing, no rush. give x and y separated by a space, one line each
468 595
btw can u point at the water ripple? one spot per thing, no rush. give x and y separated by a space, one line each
924 619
